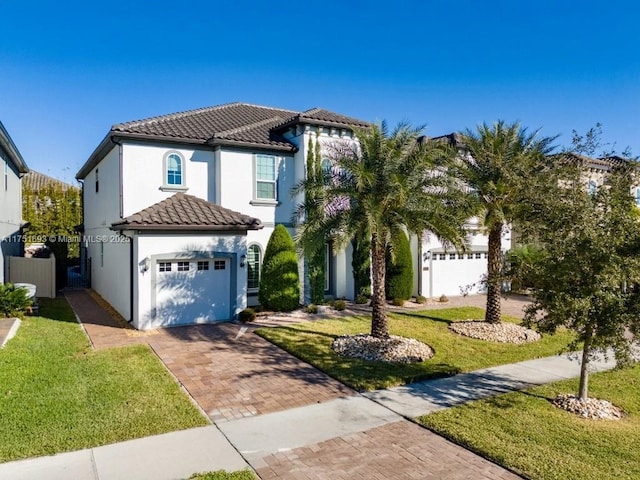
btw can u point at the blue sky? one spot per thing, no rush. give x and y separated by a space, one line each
69 70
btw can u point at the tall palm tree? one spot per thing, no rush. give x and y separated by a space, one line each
383 183
497 163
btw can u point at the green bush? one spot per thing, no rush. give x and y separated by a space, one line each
247 315
13 300
421 300
362 299
279 282
312 308
443 298
339 305
398 302
399 274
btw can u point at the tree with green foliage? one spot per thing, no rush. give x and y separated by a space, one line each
53 210
587 277
497 164
314 211
383 183
279 282
399 274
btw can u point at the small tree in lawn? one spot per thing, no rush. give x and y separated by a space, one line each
588 276
399 275
279 282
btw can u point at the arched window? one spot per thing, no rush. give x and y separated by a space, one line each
592 187
174 169
254 259
325 164
638 196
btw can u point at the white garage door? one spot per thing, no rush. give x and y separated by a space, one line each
454 274
195 291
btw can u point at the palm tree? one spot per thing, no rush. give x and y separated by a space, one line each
497 163
380 185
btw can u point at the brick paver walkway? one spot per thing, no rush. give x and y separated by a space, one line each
400 450
226 368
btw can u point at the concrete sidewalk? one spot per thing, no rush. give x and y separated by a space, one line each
312 441
171 456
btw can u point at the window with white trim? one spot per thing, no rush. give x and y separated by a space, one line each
592 187
442 256
174 170
265 171
254 259
638 196
183 266
452 256
219 265
164 266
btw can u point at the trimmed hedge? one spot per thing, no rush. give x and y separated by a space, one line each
399 274
279 282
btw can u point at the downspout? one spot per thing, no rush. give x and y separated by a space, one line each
120 187
131 278
419 265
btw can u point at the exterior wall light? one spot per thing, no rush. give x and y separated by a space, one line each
243 261
144 265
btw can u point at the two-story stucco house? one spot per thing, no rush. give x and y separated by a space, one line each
178 209
13 168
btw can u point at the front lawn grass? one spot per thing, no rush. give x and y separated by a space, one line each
525 432
454 353
57 394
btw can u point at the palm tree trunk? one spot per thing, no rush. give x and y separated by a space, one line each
493 274
379 324
583 388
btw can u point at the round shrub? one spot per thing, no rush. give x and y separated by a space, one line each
279 282
398 302
312 308
443 298
247 315
339 305
399 273
421 300
362 299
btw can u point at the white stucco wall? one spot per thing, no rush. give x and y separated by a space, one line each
108 251
156 247
143 175
10 214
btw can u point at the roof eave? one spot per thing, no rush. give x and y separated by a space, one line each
186 228
112 138
311 121
222 142
12 151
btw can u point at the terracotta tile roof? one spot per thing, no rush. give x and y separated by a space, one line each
36 181
240 123
186 212
323 117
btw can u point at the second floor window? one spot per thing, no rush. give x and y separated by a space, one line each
592 187
174 169
266 177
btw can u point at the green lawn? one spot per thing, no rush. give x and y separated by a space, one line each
454 353
525 432
57 394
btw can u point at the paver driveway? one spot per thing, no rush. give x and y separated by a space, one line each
226 368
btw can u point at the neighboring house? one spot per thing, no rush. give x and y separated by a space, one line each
13 168
445 271
178 210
